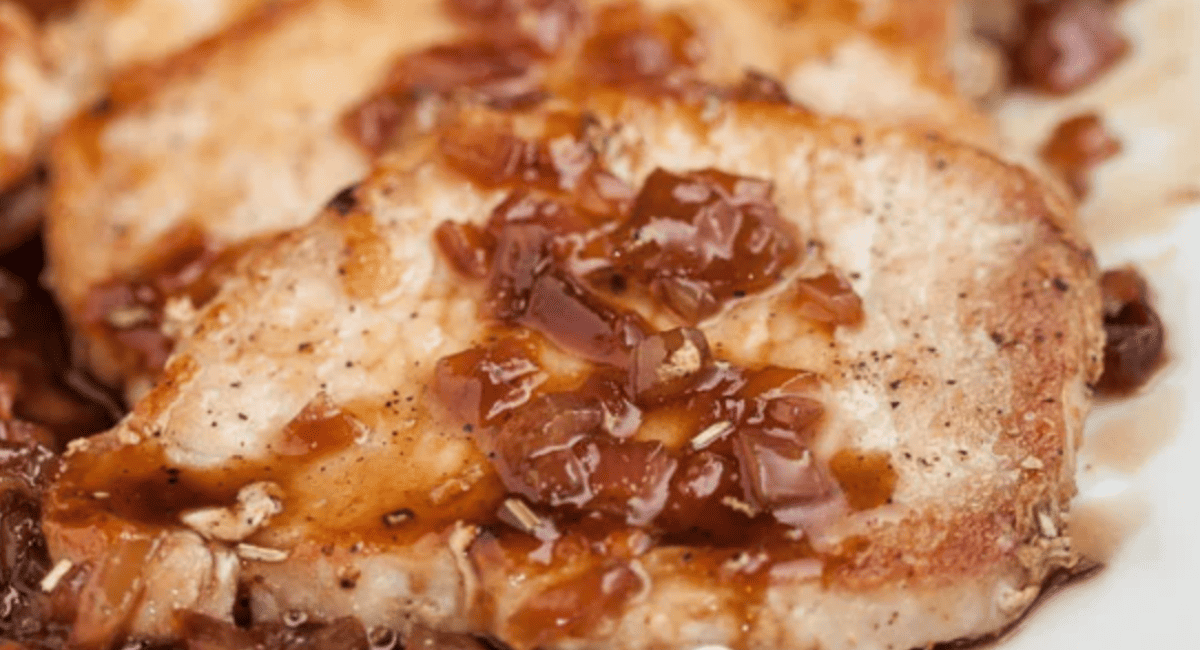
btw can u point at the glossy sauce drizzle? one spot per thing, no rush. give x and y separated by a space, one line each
582 456
518 53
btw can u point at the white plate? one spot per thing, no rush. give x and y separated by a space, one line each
1140 464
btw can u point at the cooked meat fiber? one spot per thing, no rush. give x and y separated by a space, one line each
54 68
246 135
710 388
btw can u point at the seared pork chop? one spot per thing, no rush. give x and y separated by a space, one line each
734 375
51 70
246 136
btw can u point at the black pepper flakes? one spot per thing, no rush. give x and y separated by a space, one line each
344 201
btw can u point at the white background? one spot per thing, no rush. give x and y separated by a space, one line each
1140 465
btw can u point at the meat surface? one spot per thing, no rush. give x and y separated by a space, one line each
312 442
49 70
245 136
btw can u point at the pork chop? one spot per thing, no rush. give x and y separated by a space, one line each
245 137
51 70
747 376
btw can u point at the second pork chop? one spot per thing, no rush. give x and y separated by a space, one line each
890 380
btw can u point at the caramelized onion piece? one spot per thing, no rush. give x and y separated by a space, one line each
523 253
1076 146
482 383
638 50
35 367
829 299
698 510
1135 334
573 317
778 470
631 479
1068 45
609 387
668 364
554 452
794 412
130 310
547 23
490 155
701 238
467 248
497 73
542 449
529 286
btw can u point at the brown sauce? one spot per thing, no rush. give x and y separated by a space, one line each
137 483
128 313
736 489
520 52
867 478
1076 146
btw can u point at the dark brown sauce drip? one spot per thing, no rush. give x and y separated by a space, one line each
1134 349
1066 44
128 311
136 483
1076 146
